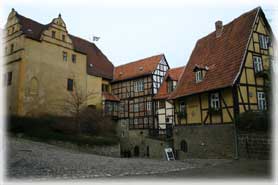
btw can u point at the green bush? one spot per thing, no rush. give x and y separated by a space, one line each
254 121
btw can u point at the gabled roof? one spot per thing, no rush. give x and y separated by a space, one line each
137 68
222 55
101 66
173 74
109 97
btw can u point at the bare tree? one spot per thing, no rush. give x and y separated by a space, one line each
76 102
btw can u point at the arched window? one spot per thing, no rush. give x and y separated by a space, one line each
184 146
34 86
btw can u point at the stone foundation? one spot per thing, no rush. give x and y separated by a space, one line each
254 145
205 141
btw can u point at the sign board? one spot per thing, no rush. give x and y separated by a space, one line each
169 154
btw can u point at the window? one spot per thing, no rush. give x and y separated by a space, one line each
258 64
12 29
70 85
115 107
73 58
12 48
214 101
182 107
53 34
149 106
170 86
122 107
263 40
161 104
105 87
63 37
199 76
138 85
184 146
261 101
10 77
136 108
65 56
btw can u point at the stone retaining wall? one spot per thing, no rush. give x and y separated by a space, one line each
205 141
112 151
254 145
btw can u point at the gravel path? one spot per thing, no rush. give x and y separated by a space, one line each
34 160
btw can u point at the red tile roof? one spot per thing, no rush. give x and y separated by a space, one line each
174 74
223 56
110 97
138 68
102 67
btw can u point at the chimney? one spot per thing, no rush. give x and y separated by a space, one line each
218 28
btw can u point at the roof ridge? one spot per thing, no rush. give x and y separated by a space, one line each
139 60
232 21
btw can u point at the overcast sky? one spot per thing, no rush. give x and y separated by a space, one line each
131 31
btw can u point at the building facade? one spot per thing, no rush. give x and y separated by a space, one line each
46 66
164 107
226 75
135 84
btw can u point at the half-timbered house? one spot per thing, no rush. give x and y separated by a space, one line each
164 107
225 76
135 84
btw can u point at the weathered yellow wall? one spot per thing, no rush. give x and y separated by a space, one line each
193 109
40 74
251 81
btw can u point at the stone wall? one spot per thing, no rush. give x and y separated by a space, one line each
148 147
112 151
205 141
254 145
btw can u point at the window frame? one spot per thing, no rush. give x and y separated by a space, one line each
65 56
262 103
258 64
198 76
215 101
12 48
263 41
73 58
139 85
53 34
170 86
9 78
182 107
161 104
70 84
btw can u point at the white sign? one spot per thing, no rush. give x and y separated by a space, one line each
169 154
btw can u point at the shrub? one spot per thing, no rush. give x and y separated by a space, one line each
47 128
93 122
254 121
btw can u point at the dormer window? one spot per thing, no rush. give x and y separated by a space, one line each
199 76
170 86
200 72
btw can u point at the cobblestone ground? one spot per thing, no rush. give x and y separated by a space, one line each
34 160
